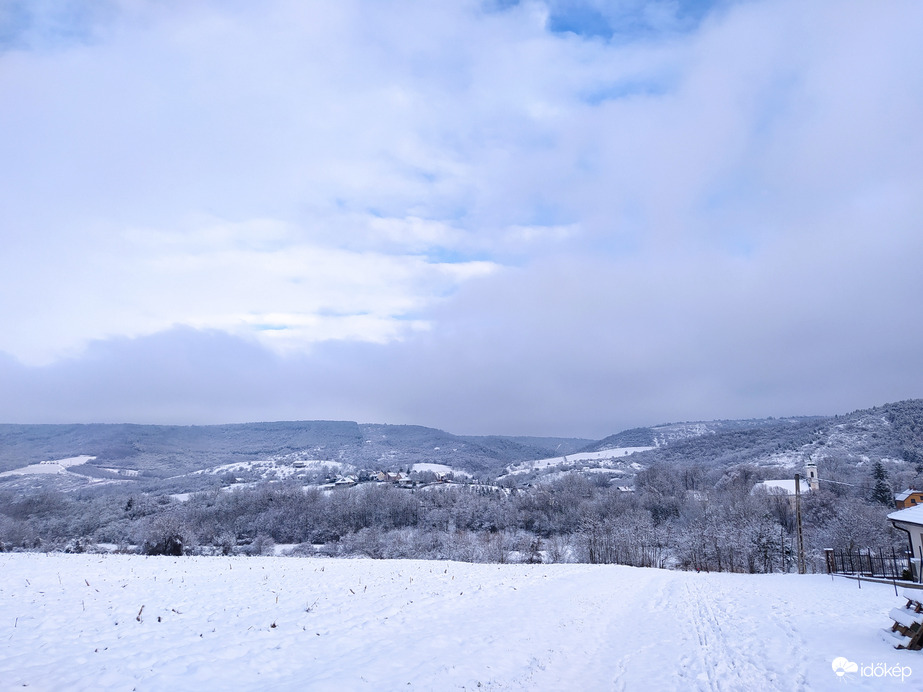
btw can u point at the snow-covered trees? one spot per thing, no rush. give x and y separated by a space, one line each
166 534
686 516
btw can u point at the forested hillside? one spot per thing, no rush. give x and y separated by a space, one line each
158 451
689 498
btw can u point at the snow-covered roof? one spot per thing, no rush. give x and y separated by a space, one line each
904 494
785 486
911 515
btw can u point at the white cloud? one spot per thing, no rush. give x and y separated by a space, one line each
258 279
444 182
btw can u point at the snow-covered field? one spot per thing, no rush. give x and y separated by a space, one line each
439 469
615 455
91 622
49 467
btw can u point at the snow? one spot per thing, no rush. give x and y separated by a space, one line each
438 469
907 618
782 487
893 638
274 468
49 467
790 459
607 455
104 622
910 515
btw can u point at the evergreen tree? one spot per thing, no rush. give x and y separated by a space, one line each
881 492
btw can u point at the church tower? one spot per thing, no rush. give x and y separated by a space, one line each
810 471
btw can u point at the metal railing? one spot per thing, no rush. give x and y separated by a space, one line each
886 563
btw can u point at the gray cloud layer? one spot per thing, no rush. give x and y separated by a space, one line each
458 217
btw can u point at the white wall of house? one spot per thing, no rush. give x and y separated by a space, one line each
911 521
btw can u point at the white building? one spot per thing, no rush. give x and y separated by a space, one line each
785 486
810 470
910 520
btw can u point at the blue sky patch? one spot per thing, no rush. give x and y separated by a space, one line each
628 20
581 20
32 24
627 89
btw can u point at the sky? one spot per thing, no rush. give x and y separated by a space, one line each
487 216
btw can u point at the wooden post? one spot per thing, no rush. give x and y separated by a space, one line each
782 549
858 571
801 566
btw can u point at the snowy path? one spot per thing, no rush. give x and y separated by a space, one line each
75 622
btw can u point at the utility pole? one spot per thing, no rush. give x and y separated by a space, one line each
801 565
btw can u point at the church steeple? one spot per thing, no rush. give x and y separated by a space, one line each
810 471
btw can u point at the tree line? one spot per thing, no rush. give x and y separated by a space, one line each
681 516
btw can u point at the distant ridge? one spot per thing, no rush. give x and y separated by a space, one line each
167 456
669 433
161 451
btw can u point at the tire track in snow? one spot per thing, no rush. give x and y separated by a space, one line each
724 664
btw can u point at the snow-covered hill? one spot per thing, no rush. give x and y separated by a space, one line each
174 459
149 454
89 622
672 433
614 459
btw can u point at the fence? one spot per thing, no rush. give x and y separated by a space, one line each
887 563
